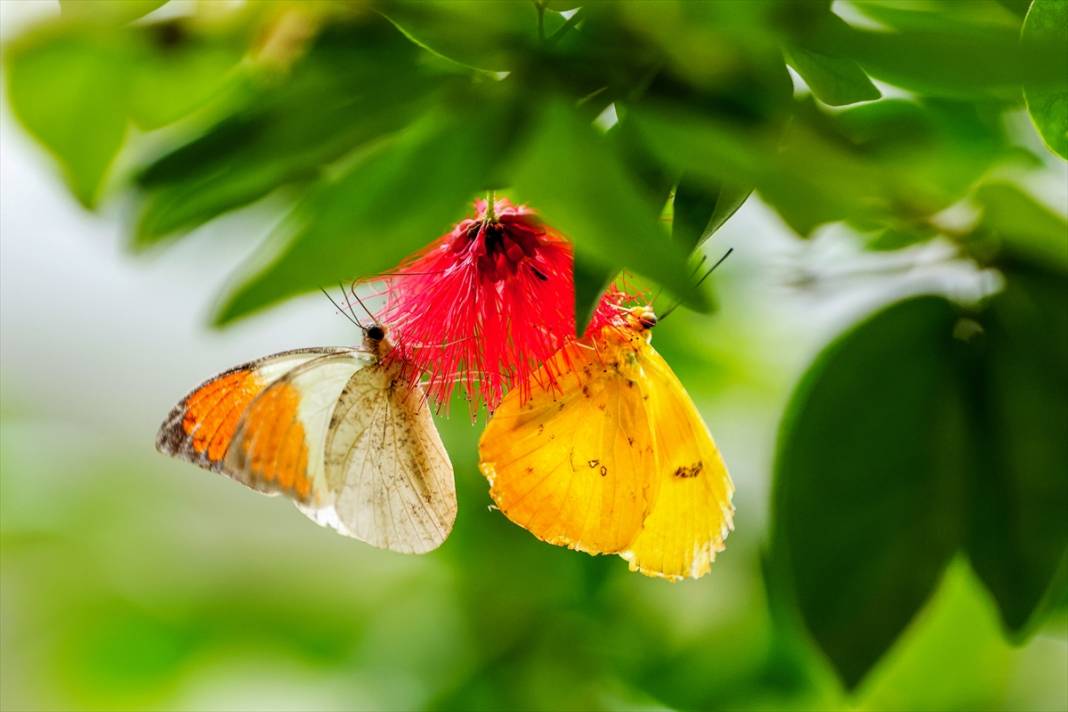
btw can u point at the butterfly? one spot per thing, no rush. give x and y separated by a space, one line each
615 459
340 431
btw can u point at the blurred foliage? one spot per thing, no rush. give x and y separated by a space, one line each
934 427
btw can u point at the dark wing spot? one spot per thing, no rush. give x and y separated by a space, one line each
604 471
593 463
686 472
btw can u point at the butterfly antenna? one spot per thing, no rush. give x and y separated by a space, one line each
374 320
699 282
340 309
349 305
713 267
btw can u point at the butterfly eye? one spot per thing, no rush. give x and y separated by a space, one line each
647 319
376 333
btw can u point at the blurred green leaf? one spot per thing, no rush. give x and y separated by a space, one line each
392 200
896 238
937 14
1019 531
868 480
581 187
1047 20
781 169
176 72
1017 7
834 80
75 86
591 279
652 176
1026 228
273 139
114 11
699 210
951 60
68 86
468 31
929 153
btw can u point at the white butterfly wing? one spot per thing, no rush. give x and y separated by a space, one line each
336 431
392 481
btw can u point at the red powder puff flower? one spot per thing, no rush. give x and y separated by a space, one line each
484 305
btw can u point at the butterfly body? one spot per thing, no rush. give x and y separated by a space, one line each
615 459
337 430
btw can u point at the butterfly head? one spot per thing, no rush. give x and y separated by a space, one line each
641 318
373 336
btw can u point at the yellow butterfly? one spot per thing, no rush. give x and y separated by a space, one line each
340 431
614 459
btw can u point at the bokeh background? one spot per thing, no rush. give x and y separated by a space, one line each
132 582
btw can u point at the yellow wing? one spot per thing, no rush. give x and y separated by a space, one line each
692 513
571 465
614 460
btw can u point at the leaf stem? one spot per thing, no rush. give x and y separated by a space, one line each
571 21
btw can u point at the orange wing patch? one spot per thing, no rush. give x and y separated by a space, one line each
213 411
274 447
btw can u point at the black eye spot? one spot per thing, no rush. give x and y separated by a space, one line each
376 333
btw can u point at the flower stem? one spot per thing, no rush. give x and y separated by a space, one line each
491 213
541 20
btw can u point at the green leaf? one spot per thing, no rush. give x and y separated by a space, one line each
868 480
274 140
950 60
1017 7
897 237
834 80
1047 20
929 153
397 197
700 209
719 151
177 72
68 87
1027 229
75 87
1019 531
109 11
936 15
465 32
591 279
571 174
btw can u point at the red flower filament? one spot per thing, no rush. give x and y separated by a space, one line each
484 305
